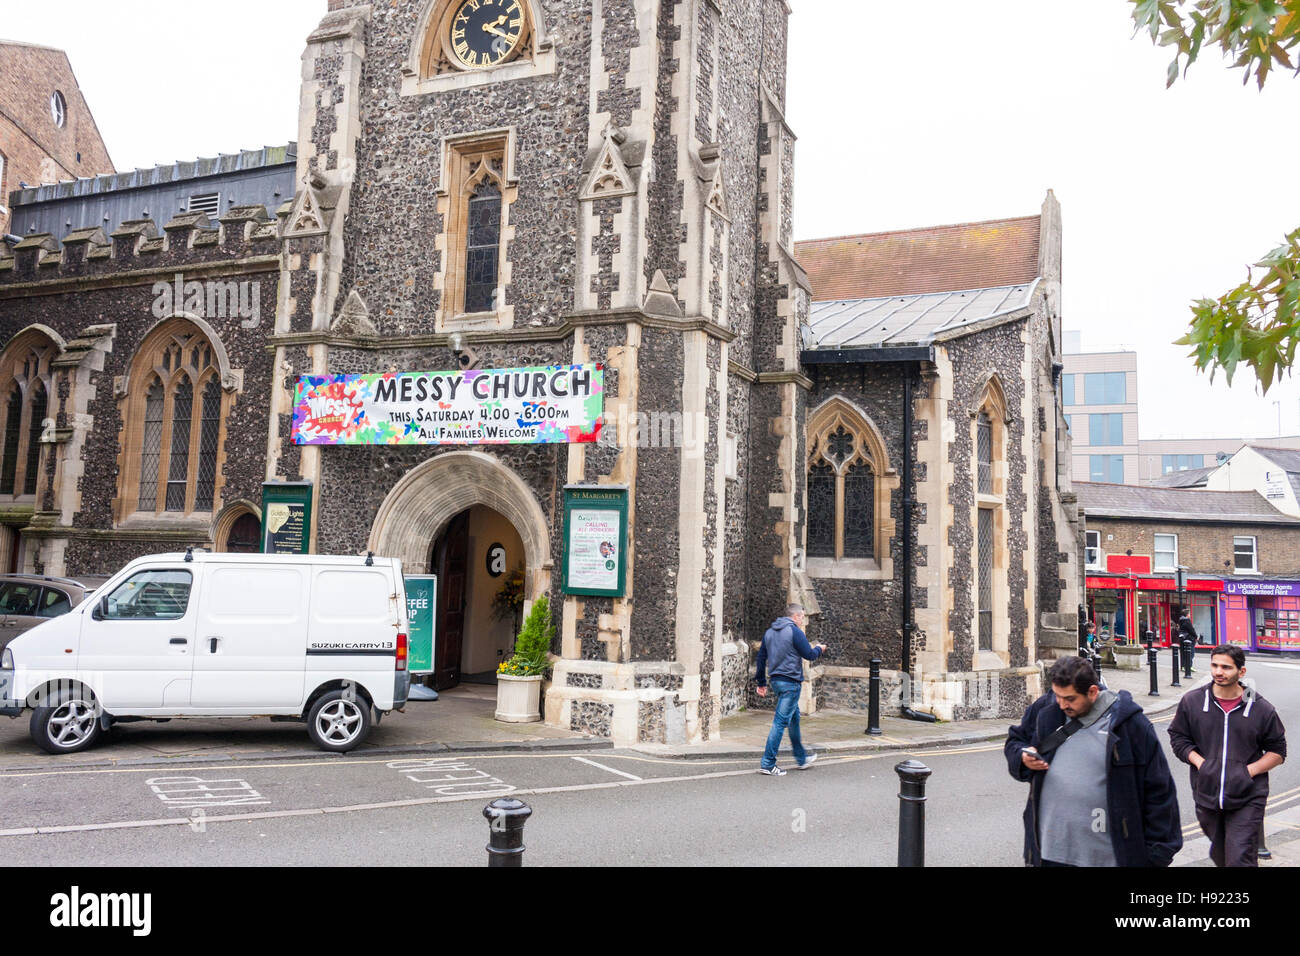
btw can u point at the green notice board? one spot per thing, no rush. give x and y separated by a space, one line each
421 600
595 539
286 517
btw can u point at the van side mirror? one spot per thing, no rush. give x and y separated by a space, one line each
100 609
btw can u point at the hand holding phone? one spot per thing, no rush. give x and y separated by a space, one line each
1030 754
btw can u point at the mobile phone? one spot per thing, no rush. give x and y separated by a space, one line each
1034 753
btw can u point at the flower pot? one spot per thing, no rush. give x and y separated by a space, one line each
518 699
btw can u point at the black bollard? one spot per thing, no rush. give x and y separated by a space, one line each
1097 654
912 775
873 701
506 818
1264 852
1177 653
1152 663
1188 653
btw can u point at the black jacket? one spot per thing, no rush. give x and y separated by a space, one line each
1142 805
1252 730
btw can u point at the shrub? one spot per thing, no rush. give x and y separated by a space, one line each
533 643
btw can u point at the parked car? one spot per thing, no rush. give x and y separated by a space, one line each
299 637
30 599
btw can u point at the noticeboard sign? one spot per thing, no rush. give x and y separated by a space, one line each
286 517
421 621
595 540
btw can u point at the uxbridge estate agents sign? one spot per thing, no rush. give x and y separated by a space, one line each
553 403
595 540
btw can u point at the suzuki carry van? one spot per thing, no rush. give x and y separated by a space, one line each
297 637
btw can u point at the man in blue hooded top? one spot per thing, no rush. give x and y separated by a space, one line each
781 657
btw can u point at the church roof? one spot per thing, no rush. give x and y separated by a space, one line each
909 319
974 255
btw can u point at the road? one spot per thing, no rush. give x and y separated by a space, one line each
605 807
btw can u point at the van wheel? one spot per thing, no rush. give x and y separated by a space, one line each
70 723
337 722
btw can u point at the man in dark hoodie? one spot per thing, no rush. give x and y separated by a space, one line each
1100 791
1232 737
784 649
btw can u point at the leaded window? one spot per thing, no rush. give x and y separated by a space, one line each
175 456
984 453
842 490
35 425
984 548
13 432
482 247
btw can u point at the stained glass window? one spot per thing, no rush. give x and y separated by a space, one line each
178 471
859 511
821 511
839 446
152 446
34 427
482 247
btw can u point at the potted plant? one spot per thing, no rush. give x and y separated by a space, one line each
519 679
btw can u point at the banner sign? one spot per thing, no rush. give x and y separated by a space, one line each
538 404
286 517
595 540
1263 588
421 598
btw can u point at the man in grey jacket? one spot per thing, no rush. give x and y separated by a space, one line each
784 649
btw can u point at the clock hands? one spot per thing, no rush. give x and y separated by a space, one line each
494 25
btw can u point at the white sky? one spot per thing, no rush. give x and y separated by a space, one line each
908 114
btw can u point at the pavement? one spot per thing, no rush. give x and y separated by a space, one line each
462 720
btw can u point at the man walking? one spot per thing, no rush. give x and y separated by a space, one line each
1100 792
1232 737
784 649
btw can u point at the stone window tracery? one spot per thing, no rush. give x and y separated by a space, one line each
25 384
175 410
846 460
990 558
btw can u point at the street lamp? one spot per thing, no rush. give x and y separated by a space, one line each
1180 581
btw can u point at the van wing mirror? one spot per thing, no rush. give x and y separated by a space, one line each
100 609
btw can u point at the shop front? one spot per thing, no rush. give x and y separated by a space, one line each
1262 615
1127 601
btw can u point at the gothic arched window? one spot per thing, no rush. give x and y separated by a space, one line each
24 390
991 557
175 409
846 496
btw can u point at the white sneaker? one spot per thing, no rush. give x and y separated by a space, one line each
808 761
772 771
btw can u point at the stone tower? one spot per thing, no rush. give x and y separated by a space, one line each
639 158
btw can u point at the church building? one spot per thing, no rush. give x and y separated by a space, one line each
578 214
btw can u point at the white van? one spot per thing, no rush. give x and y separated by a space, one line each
218 635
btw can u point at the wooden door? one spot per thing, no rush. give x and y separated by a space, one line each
451 561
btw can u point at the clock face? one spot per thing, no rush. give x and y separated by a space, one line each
485 32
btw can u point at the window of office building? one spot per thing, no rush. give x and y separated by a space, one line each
1067 389
1106 468
1172 463
1104 388
1106 429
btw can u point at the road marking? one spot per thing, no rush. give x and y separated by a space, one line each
388 805
188 793
630 776
1285 665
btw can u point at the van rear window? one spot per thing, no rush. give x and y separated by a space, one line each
351 595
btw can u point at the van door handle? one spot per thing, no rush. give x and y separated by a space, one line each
179 640
212 644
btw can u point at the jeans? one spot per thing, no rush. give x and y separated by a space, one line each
787 715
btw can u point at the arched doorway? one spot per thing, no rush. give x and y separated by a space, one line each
415 524
238 528
479 561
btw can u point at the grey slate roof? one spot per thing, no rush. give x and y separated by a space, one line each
1187 478
910 319
1177 504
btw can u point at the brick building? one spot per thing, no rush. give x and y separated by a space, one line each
47 132
508 185
1241 558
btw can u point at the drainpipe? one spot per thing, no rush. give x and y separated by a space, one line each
909 501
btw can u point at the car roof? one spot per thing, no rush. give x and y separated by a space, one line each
46 579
